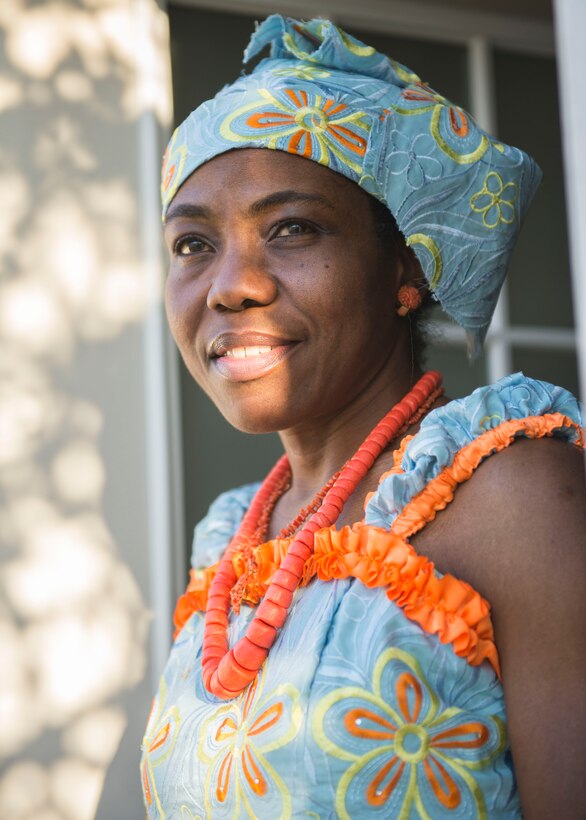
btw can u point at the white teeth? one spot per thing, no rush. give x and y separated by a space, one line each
247 352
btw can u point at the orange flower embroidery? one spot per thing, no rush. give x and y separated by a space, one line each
422 93
405 751
454 131
173 163
305 123
159 740
234 742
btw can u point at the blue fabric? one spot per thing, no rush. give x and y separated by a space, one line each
349 715
457 194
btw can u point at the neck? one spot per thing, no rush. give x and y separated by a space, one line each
319 448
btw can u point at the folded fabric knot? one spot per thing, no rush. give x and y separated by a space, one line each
320 42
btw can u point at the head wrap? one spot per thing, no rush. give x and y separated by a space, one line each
457 194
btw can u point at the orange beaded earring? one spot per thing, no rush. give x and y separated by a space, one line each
409 299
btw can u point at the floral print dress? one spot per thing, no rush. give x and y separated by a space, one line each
381 696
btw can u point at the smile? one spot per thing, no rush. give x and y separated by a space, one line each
248 352
248 356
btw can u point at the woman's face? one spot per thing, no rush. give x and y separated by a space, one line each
280 295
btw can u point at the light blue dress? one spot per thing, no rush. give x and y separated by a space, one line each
358 711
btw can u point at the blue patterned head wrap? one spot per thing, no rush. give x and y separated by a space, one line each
457 195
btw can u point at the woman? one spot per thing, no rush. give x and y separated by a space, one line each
322 666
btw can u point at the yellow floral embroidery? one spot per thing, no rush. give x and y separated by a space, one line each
456 122
409 756
430 245
303 72
187 814
302 122
403 73
157 745
173 163
354 46
234 742
495 201
291 45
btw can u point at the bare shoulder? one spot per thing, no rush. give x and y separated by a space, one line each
530 503
517 532
532 485
527 526
522 509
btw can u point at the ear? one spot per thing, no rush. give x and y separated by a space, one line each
408 270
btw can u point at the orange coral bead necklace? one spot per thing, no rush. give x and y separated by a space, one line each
226 672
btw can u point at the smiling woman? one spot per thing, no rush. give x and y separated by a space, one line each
365 633
277 271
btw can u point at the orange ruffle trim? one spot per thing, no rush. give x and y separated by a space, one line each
444 606
438 493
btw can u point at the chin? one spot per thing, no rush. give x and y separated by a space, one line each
254 415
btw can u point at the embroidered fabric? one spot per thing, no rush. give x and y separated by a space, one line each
358 711
458 194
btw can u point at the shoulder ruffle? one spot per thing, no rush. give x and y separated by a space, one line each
447 430
219 525
441 604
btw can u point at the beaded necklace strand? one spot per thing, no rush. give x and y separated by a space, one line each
247 553
226 672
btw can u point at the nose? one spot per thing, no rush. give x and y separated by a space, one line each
241 280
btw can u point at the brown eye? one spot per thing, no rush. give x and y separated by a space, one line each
189 245
287 229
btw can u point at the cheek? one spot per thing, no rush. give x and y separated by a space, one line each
182 305
352 296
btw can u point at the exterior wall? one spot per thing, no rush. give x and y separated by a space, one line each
84 101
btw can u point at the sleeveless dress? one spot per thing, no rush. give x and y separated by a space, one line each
381 697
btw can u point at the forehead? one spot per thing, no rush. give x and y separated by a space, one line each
251 173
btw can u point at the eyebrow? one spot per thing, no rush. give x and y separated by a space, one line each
286 198
257 208
188 211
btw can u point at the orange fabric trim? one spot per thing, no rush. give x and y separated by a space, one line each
438 493
446 606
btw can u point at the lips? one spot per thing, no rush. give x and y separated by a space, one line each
246 356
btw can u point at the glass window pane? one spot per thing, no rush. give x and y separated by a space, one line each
527 116
206 53
460 377
555 366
